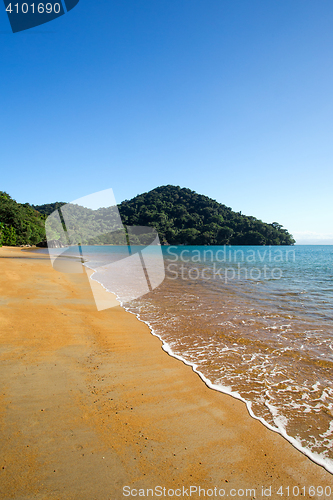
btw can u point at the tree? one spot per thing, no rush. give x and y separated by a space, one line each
223 236
251 238
188 236
9 237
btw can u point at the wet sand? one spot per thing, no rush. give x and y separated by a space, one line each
90 403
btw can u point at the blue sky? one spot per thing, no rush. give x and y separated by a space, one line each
230 98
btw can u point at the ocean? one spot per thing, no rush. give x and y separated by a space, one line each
254 322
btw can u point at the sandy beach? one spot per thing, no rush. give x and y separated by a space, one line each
90 404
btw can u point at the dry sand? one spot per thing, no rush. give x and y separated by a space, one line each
90 403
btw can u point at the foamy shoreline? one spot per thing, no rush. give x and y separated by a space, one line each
279 429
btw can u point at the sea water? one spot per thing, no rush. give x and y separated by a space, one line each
255 322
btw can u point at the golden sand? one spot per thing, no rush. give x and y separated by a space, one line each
90 403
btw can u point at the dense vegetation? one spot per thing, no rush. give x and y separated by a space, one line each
48 208
20 224
179 215
182 216
85 226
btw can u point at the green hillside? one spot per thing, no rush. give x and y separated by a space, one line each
48 208
20 224
182 216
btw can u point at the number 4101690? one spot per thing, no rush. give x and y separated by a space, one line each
40 8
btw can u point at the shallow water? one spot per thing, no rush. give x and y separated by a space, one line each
256 322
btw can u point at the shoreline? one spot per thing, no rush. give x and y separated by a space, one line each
91 403
317 459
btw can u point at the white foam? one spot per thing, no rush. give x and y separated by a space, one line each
329 431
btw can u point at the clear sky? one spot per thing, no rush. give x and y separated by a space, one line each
230 98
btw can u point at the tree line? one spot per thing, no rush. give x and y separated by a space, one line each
179 215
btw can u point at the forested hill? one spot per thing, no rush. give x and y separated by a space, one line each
182 216
20 224
48 208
